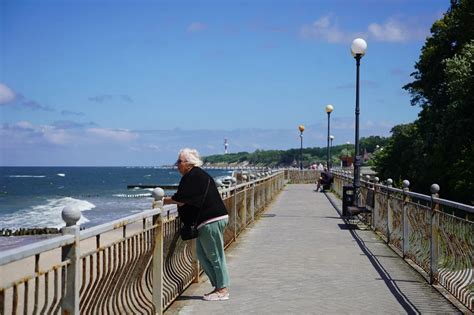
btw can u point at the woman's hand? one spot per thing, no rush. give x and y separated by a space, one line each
169 201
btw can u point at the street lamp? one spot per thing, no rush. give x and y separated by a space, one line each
358 48
331 137
301 129
329 110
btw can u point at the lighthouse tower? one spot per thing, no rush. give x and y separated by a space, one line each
226 144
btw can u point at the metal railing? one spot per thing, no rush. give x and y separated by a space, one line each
434 233
297 176
135 265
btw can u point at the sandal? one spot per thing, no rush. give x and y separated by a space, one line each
216 296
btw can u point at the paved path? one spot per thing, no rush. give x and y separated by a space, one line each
298 259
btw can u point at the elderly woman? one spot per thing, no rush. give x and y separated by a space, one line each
199 200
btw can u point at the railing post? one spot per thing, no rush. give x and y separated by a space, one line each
406 243
375 209
244 211
72 282
434 240
252 204
389 185
157 267
235 210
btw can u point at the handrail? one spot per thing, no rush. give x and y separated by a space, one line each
246 184
441 201
110 226
29 250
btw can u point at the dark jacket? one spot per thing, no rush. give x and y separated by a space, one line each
191 190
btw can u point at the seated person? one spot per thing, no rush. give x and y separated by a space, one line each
324 180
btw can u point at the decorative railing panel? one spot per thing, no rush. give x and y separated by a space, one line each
395 213
419 235
455 260
296 176
40 292
436 234
379 216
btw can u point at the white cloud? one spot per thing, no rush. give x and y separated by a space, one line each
196 27
57 136
392 30
324 29
24 125
120 135
6 94
153 147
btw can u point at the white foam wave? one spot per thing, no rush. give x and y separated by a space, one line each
27 176
45 215
61 174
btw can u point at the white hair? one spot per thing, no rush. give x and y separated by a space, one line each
191 156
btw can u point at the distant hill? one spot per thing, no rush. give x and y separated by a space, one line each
291 157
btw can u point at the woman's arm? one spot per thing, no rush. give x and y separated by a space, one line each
169 201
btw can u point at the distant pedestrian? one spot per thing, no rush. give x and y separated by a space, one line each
325 179
320 167
199 200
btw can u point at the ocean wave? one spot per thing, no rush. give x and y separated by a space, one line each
61 174
45 215
27 176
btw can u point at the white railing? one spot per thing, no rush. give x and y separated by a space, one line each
137 264
434 233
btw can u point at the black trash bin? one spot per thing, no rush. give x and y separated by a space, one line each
347 198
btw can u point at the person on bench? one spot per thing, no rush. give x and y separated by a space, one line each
324 180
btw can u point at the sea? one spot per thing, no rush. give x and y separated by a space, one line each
33 197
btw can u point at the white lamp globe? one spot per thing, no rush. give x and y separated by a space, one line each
329 108
358 47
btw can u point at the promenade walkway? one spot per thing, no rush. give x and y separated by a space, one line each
299 258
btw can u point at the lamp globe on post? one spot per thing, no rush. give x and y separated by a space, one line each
358 49
301 129
329 109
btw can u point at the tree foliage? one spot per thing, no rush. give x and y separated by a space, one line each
291 157
438 147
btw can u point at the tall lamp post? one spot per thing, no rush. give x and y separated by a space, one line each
331 137
358 48
329 109
301 129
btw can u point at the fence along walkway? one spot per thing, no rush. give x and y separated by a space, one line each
134 265
298 258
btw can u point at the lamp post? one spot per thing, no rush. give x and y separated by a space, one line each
358 48
331 137
329 109
301 129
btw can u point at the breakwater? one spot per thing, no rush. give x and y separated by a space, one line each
29 231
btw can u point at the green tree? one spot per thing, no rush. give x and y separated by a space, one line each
441 140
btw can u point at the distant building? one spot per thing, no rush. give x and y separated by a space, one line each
347 161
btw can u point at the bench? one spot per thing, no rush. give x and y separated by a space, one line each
367 209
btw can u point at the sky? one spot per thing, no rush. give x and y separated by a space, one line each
130 83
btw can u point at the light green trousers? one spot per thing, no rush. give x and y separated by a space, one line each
210 253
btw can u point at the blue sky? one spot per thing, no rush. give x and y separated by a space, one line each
96 82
